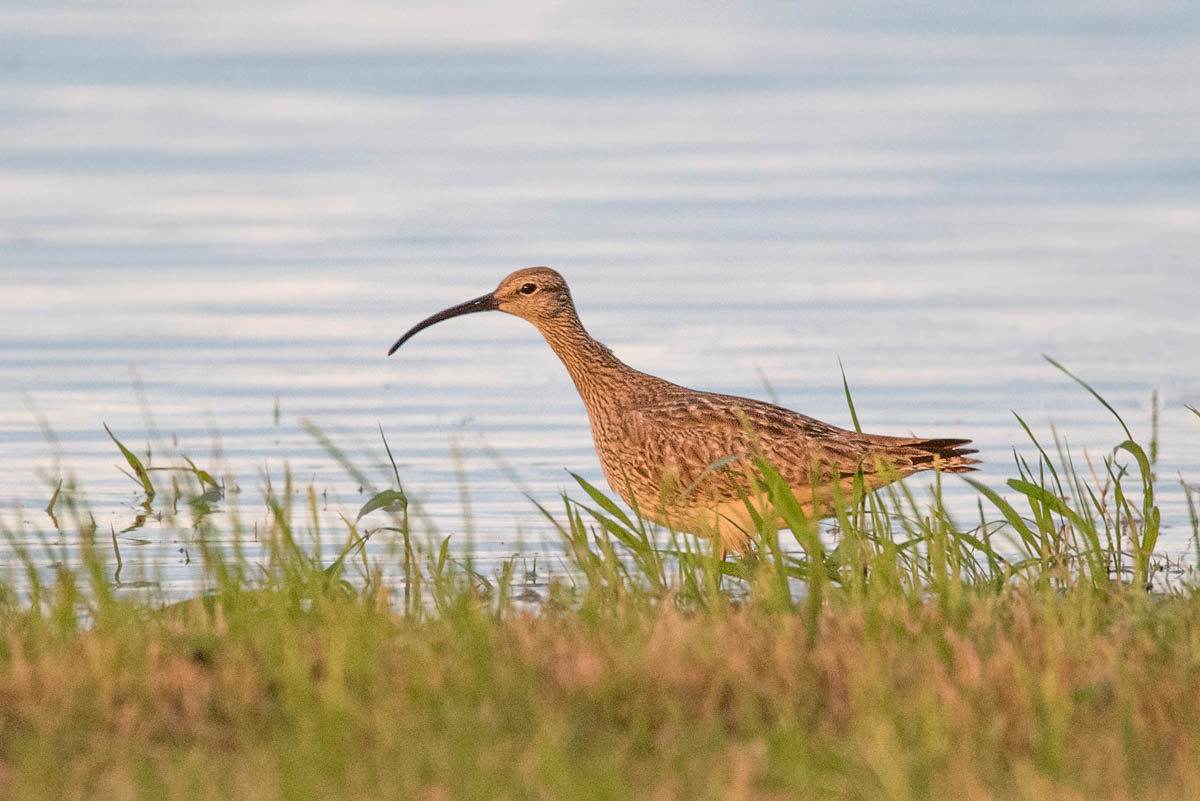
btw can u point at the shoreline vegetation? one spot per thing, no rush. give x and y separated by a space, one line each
1043 650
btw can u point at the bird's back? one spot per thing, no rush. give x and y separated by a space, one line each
683 449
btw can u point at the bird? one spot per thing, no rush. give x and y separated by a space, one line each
694 461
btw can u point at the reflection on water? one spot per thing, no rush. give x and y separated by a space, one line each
208 238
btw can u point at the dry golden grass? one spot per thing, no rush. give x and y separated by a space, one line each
1013 695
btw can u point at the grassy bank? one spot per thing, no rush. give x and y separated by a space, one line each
1017 694
899 655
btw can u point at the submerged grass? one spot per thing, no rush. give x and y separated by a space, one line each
892 653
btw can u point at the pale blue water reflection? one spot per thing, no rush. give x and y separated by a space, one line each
231 207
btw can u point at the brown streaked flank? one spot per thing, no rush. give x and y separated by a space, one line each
685 458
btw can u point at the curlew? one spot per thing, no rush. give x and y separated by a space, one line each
690 460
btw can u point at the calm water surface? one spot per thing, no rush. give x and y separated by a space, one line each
214 222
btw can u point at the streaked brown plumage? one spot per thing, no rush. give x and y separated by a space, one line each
684 457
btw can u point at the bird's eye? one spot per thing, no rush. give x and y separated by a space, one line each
528 289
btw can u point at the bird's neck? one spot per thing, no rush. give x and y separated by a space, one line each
593 367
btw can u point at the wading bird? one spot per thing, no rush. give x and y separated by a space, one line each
693 460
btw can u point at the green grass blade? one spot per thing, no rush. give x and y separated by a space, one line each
603 501
849 400
1095 394
624 535
1150 512
1010 514
139 470
382 499
391 459
203 476
355 543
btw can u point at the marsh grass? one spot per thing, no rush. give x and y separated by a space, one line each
892 652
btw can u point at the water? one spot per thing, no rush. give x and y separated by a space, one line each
210 213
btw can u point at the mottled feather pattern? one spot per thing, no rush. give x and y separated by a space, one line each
669 442
686 458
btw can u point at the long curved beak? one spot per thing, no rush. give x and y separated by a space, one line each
485 303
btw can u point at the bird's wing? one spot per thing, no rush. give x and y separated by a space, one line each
704 443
